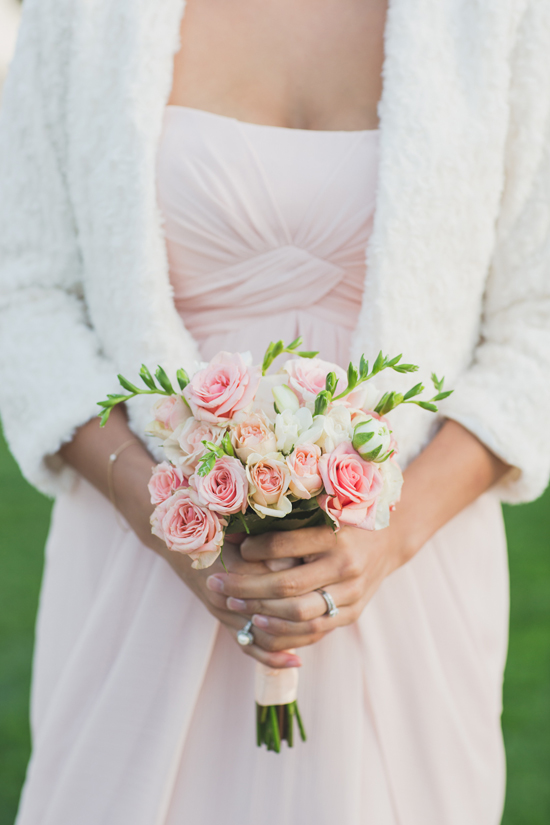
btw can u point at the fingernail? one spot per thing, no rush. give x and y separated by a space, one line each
235 604
215 583
260 621
293 661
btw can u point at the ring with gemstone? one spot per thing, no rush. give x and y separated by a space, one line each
331 610
244 636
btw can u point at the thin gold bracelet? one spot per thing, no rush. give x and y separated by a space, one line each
112 458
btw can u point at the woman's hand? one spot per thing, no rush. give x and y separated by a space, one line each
286 610
196 580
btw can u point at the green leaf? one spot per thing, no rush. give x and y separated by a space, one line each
206 464
440 396
363 368
416 390
147 378
372 455
296 343
214 448
361 438
308 354
321 403
426 405
405 368
381 404
227 445
438 384
127 384
394 361
352 376
183 378
331 382
379 363
104 416
164 381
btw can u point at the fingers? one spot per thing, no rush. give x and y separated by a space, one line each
300 608
282 585
292 635
291 544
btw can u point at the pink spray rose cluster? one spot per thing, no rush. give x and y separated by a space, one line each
241 447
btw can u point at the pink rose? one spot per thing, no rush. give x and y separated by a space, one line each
222 388
269 478
252 434
169 413
184 447
352 487
188 527
165 480
307 376
303 463
225 488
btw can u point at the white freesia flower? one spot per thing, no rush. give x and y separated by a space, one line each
364 397
263 400
285 398
289 426
392 479
372 436
336 428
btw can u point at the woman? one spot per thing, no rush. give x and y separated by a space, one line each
157 209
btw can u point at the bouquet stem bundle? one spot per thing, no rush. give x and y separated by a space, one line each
275 724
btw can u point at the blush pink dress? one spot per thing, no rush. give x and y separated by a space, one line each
143 707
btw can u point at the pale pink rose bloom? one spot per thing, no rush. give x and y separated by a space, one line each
186 526
303 463
184 447
352 487
225 488
252 434
307 377
225 386
269 479
169 413
165 480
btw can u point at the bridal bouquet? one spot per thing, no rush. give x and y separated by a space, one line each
247 452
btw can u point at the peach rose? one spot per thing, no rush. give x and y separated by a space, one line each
184 447
188 527
169 412
165 480
269 479
303 463
252 434
225 386
225 488
352 487
307 376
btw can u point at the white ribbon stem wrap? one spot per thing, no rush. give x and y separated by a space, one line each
276 687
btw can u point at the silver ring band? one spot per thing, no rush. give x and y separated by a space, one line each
331 610
244 636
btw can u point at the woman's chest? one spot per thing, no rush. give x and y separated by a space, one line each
294 63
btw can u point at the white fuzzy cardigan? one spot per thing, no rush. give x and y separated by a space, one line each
458 265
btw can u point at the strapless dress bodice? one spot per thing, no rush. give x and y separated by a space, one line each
266 229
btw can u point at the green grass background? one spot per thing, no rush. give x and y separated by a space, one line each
24 516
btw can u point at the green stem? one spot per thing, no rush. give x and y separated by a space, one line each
300 723
275 728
